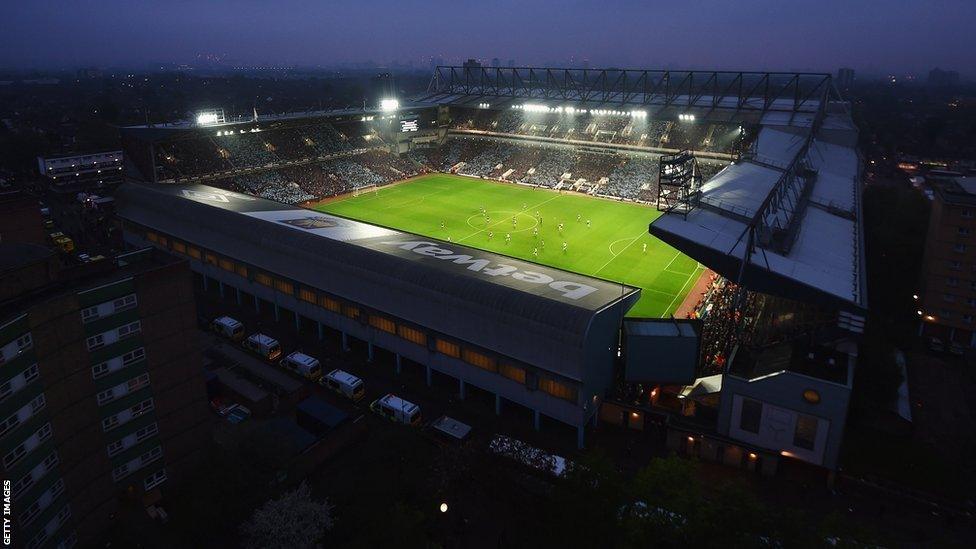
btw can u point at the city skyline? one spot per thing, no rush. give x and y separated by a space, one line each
696 35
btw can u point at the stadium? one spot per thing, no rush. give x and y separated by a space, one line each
615 245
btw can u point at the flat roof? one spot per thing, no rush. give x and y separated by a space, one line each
538 315
826 258
550 283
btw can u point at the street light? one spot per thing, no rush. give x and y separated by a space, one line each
443 507
389 105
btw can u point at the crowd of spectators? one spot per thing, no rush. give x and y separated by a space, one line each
723 324
617 129
223 150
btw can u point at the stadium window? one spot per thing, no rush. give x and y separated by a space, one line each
448 348
557 389
412 335
226 265
351 311
307 295
193 252
284 286
152 237
242 270
163 241
751 415
382 323
262 279
512 372
179 247
480 360
805 434
330 304
211 258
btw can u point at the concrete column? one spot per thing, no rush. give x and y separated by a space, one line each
206 283
428 376
238 292
461 389
345 342
220 286
498 405
369 352
298 322
320 330
399 365
596 418
277 313
579 437
537 419
257 304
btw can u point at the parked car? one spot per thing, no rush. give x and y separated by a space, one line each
397 409
935 345
266 347
238 413
228 327
303 365
345 384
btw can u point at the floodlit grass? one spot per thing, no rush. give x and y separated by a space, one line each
612 247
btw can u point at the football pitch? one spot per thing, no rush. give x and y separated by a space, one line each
614 245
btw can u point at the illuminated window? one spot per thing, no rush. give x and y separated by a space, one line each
480 360
412 335
163 241
351 311
448 348
512 372
152 237
262 279
211 258
179 247
242 270
331 304
307 295
557 389
284 286
193 252
382 323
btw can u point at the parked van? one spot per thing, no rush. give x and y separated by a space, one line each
451 428
396 409
267 347
345 384
228 327
303 365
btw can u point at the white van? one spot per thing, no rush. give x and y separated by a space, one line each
303 365
228 327
345 384
267 347
396 409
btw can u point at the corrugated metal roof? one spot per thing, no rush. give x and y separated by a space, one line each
433 284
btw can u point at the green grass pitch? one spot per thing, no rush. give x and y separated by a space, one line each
612 247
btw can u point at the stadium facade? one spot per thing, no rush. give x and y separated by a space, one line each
529 334
779 214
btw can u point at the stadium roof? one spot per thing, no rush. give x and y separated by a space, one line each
728 95
821 258
540 315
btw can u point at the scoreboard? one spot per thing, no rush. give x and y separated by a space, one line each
410 123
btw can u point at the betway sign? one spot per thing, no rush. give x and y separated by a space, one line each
569 290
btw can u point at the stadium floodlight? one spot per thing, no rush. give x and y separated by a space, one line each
205 118
389 105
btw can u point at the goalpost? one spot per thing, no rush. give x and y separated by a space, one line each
372 188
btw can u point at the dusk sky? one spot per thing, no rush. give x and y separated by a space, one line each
869 35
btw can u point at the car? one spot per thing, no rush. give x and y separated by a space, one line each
451 429
238 413
935 345
264 346
956 349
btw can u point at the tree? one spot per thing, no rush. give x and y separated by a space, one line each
293 520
